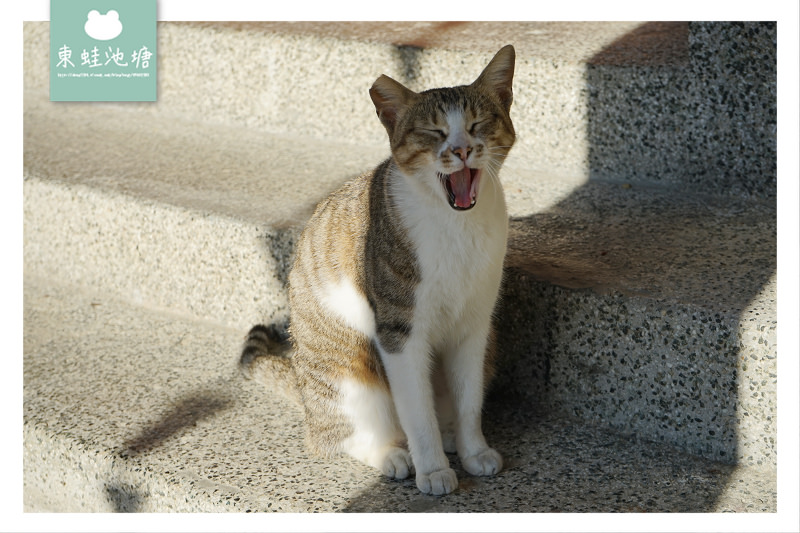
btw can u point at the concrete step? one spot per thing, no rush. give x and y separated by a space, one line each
642 309
682 103
131 409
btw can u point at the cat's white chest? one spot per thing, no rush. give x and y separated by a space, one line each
460 255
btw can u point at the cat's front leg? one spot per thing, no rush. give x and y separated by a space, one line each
464 371
409 379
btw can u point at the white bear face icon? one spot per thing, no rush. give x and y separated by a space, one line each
103 27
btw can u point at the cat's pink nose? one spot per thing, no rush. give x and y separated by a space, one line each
462 152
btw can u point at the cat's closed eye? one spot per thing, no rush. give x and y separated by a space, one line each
477 125
437 132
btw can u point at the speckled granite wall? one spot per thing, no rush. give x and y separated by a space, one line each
678 374
708 122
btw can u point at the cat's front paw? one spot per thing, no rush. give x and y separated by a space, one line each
485 463
397 463
438 483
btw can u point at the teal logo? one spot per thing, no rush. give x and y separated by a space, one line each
103 27
103 50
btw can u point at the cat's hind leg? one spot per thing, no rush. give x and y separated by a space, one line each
445 410
377 438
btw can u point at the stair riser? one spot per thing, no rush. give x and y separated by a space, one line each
210 267
703 380
62 477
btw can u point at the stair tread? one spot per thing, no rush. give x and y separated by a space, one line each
227 170
152 408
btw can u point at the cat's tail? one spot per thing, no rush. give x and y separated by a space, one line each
266 358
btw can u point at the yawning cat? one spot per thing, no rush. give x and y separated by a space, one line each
393 287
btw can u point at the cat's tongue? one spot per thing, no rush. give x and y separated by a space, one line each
462 188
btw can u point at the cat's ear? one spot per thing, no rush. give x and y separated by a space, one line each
390 99
498 75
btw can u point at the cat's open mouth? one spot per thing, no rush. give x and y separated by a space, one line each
461 187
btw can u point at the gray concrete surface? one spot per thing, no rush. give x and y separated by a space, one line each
145 411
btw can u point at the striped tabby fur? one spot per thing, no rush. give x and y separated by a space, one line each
393 287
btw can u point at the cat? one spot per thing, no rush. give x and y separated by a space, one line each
393 288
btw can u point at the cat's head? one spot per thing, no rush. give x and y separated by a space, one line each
453 138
